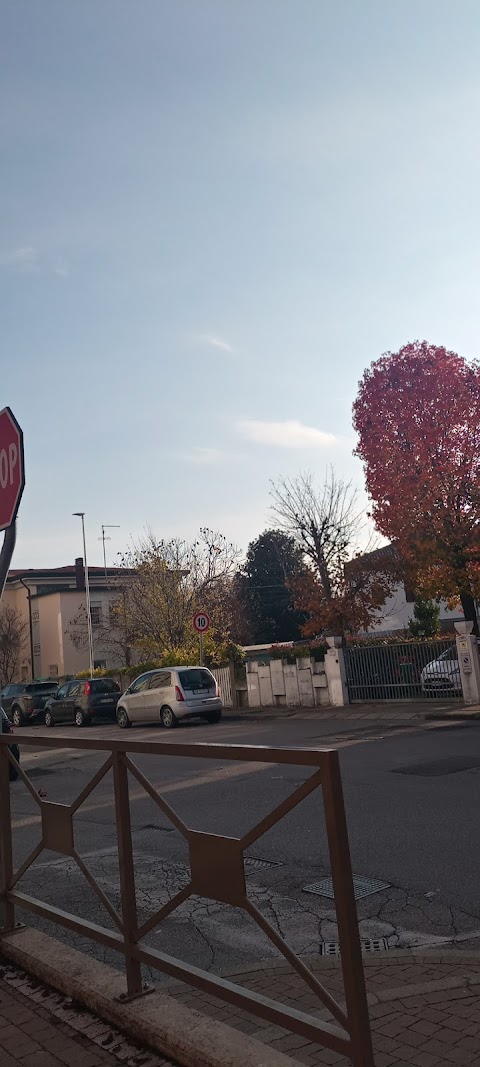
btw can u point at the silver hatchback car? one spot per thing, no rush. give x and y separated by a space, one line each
169 694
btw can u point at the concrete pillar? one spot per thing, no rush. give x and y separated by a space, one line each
336 674
469 662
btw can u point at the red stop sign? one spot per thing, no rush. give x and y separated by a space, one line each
12 473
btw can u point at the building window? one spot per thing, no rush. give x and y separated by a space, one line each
36 650
35 616
113 613
99 664
409 595
24 674
96 614
53 670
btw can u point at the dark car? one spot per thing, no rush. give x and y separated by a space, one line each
6 728
83 700
25 701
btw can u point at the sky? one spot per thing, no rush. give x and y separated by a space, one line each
214 215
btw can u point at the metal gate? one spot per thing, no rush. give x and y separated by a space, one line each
403 671
224 679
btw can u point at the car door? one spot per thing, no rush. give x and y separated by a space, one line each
5 699
71 700
157 694
57 706
136 698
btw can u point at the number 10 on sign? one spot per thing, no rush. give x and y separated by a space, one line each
201 624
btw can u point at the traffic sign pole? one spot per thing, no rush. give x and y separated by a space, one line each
6 554
201 650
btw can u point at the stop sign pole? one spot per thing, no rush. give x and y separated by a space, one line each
12 484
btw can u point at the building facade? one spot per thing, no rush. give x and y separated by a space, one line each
52 606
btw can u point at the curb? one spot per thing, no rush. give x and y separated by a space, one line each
157 1021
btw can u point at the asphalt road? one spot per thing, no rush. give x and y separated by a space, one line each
412 798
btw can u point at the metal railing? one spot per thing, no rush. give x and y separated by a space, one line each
216 873
405 670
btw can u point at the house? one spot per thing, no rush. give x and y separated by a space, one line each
396 612
52 604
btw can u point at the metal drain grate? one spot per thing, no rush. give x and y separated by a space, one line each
253 864
367 945
362 887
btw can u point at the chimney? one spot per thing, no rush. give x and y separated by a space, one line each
79 574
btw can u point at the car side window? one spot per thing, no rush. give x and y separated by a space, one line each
140 683
160 680
62 692
74 688
5 692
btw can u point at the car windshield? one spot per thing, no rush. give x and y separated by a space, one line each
450 654
13 690
196 678
104 685
40 687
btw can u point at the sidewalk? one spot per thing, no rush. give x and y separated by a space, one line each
424 1008
381 711
34 1031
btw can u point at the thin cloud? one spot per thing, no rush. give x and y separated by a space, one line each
202 456
289 434
27 259
213 341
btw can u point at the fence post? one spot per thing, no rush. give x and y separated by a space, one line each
127 873
468 660
348 934
7 910
336 674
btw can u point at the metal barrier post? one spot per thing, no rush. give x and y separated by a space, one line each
348 935
7 910
127 873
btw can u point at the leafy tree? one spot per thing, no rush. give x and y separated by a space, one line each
273 561
13 636
162 585
417 416
168 581
340 590
426 620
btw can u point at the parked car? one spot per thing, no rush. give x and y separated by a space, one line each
442 675
6 728
82 700
25 701
169 695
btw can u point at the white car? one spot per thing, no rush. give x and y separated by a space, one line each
169 694
442 675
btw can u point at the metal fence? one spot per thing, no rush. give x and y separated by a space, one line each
223 676
216 873
403 671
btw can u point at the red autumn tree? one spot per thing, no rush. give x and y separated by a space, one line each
417 416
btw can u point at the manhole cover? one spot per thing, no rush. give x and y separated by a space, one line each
433 769
253 864
367 945
362 887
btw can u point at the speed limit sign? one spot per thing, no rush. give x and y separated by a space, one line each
201 622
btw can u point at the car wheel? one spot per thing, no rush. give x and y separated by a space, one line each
214 716
17 716
48 718
122 719
79 719
168 719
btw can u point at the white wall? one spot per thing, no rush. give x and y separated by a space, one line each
281 684
397 612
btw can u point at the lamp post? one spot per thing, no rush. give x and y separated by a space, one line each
81 515
106 526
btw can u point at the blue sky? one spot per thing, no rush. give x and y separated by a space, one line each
214 215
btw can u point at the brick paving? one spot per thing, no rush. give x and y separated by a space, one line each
424 1009
31 1035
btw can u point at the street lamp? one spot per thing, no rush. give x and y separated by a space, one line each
81 515
106 526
